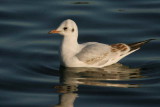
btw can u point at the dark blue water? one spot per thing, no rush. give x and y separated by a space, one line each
29 65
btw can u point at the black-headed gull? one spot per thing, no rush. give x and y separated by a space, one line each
90 54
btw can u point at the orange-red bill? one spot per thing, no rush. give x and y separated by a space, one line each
53 31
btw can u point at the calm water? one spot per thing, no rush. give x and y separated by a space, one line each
29 65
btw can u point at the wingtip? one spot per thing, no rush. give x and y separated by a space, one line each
146 41
151 39
137 45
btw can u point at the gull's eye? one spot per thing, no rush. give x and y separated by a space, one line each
73 30
65 28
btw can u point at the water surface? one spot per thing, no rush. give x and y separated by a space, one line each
29 65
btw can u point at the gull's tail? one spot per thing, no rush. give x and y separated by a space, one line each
137 45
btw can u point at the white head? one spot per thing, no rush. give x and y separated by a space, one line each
67 28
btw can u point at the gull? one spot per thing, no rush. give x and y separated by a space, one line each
90 54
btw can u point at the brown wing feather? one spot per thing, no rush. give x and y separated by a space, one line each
120 46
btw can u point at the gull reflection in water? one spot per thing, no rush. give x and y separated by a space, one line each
116 75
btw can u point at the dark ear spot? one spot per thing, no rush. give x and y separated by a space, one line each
73 30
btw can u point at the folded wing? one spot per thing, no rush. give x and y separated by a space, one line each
96 54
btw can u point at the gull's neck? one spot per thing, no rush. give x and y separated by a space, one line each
69 46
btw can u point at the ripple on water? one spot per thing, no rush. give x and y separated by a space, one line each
18 23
